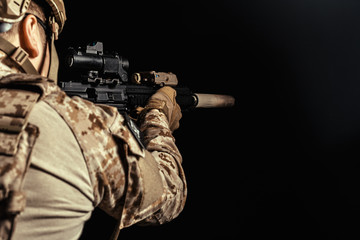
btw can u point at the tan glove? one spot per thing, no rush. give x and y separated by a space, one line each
164 100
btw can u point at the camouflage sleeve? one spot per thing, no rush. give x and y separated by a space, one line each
129 183
155 184
160 142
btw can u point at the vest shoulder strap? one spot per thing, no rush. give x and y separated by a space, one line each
18 55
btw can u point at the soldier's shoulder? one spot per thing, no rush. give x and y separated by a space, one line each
29 82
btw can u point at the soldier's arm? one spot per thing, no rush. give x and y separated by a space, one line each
159 119
155 183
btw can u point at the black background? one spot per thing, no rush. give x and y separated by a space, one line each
284 162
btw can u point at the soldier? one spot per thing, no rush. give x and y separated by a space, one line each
61 157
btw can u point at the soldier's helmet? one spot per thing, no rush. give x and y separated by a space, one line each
12 11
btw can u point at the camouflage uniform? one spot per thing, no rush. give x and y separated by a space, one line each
121 172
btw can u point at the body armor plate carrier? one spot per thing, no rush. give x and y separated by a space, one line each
17 137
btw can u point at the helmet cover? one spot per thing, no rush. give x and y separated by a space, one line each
12 11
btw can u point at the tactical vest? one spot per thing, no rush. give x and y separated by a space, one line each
98 142
17 138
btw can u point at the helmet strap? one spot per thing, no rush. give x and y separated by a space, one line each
54 61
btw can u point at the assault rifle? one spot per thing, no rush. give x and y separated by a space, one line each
103 79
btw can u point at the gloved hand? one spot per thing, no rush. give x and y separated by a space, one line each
164 100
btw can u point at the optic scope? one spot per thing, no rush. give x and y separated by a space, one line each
96 65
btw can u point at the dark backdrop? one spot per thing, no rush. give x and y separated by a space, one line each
284 162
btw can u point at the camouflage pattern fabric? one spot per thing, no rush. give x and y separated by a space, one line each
114 158
16 141
110 149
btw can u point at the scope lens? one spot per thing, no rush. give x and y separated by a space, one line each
70 61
